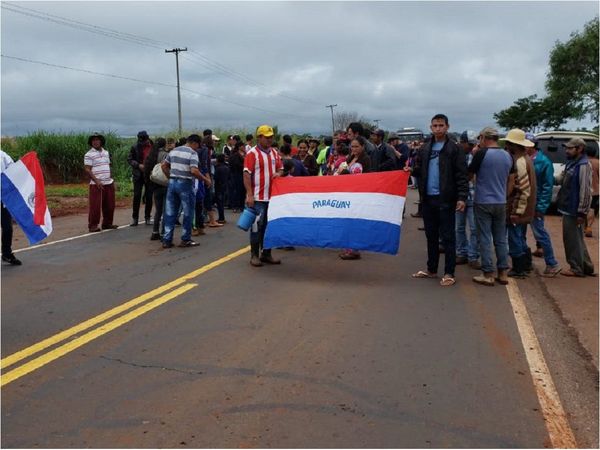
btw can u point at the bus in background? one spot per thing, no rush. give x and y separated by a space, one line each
407 135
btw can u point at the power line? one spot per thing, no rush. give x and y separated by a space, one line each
157 83
144 41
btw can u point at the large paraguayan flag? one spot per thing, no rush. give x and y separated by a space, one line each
24 196
359 212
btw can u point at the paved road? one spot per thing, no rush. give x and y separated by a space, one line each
317 352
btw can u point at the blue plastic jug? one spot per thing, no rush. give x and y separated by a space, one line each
247 218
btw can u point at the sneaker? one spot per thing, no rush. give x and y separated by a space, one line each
189 243
255 261
155 237
483 279
149 222
134 223
223 222
110 227
167 245
95 230
461 260
551 272
11 259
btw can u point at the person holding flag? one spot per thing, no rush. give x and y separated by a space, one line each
7 230
261 165
24 197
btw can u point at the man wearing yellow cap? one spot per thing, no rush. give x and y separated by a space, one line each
261 165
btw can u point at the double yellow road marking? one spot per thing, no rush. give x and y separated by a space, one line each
181 284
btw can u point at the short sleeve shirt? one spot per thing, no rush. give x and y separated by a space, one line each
99 160
262 165
182 159
492 167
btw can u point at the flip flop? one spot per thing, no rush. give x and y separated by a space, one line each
570 273
447 281
215 225
423 274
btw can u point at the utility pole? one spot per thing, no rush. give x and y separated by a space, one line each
176 51
332 122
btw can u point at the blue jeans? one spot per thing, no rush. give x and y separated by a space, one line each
257 231
517 246
468 247
491 231
179 193
543 238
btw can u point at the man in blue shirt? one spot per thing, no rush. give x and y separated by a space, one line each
491 167
444 189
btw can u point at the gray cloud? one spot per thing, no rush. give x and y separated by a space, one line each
399 62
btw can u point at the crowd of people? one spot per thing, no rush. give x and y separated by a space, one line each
496 192
476 197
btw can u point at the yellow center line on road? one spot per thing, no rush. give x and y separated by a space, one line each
44 359
42 345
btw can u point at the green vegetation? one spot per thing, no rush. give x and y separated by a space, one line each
61 154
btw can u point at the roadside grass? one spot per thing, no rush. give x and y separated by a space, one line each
124 189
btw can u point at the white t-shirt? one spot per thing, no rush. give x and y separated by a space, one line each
100 162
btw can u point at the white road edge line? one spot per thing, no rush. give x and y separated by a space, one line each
33 247
559 430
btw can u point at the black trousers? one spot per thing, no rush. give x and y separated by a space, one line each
140 185
160 196
439 222
7 232
220 201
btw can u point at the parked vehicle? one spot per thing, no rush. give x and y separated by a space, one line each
551 143
407 135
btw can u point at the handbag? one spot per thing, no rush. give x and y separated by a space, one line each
158 176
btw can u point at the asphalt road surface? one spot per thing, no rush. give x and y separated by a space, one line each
317 352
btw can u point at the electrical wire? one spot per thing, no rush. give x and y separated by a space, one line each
157 83
196 57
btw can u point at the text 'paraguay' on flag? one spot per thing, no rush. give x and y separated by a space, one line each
358 212
24 196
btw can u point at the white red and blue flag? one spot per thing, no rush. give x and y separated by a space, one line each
24 196
359 212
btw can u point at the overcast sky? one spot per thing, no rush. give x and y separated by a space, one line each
400 62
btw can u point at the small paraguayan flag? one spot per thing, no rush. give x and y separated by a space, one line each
361 212
24 196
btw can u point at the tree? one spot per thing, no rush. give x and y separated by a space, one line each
341 119
525 113
572 81
571 85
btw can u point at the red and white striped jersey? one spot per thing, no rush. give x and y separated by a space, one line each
261 165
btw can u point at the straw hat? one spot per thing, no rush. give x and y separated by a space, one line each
517 136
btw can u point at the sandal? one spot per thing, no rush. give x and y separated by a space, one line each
423 274
570 273
215 225
447 280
